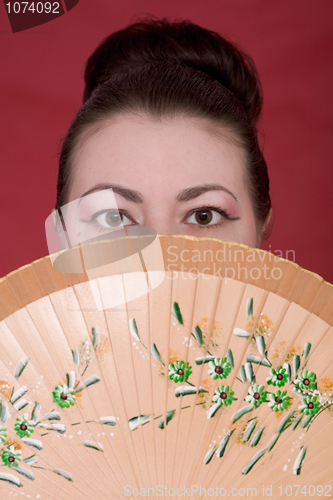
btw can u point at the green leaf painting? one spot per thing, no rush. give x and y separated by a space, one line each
249 372
134 329
164 421
270 397
108 420
249 429
93 379
32 428
25 472
20 367
95 337
10 478
209 455
257 436
239 332
204 359
94 445
299 461
4 412
177 314
198 335
230 358
285 421
242 374
251 358
184 390
53 415
63 473
22 403
139 420
260 341
249 307
296 363
76 357
18 394
222 446
272 441
241 412
35 443
212 410
155 353
253 461
306 350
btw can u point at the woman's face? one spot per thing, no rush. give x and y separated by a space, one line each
174 175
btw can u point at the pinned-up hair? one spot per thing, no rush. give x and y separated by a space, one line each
168 69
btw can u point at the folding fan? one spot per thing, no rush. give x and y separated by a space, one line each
216 381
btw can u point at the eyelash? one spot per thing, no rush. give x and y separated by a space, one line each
102 229
224 214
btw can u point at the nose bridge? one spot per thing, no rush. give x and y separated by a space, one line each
162 223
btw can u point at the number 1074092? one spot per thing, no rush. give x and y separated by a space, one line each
33 7
311 491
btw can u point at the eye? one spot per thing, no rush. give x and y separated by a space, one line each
204 217
113 218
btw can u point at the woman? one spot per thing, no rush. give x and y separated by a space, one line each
169 124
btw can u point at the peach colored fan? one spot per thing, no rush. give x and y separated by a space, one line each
218 382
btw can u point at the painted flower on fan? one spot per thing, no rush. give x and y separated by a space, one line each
278 377
306 380
178 372
63 396
279 401
310 405
256 395
219 368
11 457
24 427
3 433
223 396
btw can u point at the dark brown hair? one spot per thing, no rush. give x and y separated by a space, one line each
167 69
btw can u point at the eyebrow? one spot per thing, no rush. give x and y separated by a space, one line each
194 192
136 197
128 194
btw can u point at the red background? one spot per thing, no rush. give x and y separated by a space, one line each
42 85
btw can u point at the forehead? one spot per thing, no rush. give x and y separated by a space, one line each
138 149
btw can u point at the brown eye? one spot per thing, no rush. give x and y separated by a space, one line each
203 217
206 217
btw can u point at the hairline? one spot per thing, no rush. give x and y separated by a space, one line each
216 128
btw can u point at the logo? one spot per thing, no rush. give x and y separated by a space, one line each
90 235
